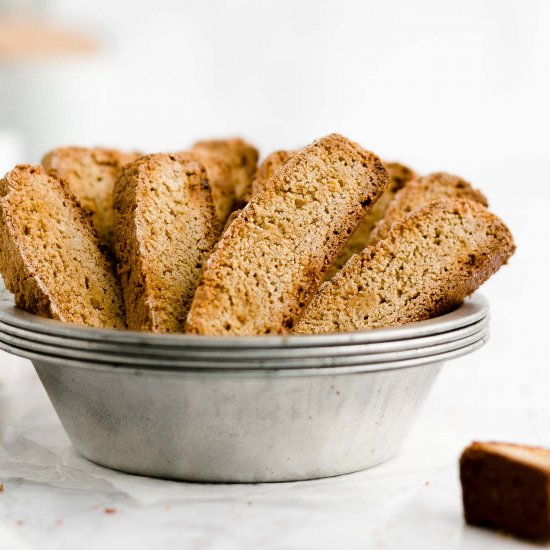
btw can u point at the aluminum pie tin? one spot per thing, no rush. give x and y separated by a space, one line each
472 310
171 352
342 403
238 425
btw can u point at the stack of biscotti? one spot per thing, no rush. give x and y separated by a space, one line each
271 259
427 265
90 175
325 238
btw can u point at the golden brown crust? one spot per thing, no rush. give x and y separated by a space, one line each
273 256
49 254
91 174
399 176
533 456
230 165
419 192
267 168
427 265
165 227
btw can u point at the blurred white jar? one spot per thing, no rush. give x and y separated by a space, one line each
53 87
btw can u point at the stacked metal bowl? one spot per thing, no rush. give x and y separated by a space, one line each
235 409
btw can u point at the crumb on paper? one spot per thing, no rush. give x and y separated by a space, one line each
19 522
1 487
109 510
59 521
249 503
167 508
426 483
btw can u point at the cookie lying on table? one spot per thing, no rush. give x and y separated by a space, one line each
230 165
49 253
421 191
273 256
90 175
507 487
165 226
427 265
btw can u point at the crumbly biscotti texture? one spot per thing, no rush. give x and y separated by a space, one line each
165 227
268 167
419 192
507 487
399 176
272 258
425 267
221 180
49 253
230 165
91 174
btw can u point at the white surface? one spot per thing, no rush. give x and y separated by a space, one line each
460 86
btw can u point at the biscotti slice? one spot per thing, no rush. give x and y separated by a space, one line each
91 174
507 487
165 227
425 267
271 259
419 192
230 165
49 254
399 176
268 167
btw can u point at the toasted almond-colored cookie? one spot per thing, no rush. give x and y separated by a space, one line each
49 253
165 227
427 265
91 174
230 165
220 177
419 192
506 486
268 167
272 258
399 176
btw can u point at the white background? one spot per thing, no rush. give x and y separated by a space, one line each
440 85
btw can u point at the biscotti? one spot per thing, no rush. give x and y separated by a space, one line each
273 256
426 266
507 487
165 226
268 167
91 174
49 253
231 166
419 192
399 176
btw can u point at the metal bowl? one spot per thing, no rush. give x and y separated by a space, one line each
243 420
